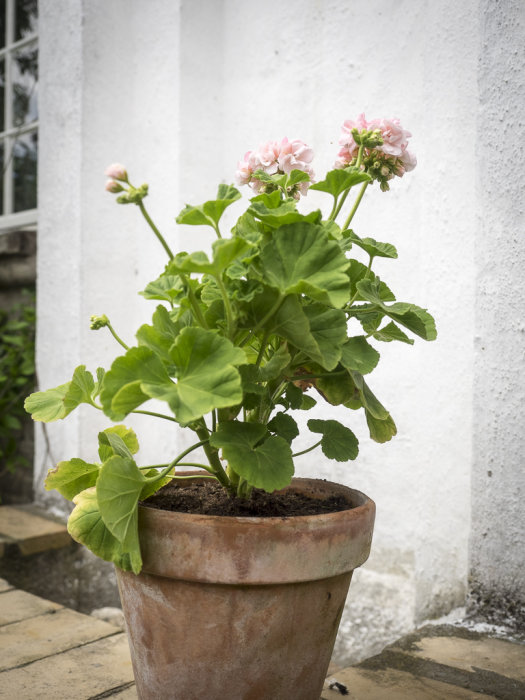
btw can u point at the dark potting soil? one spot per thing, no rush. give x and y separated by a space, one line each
210 498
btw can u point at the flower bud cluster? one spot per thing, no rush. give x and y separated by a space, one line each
98 322
385 153
276 158
131 195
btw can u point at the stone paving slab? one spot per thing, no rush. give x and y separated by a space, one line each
462 659
16 605
494 655
45 635
21 526
82 673
390 684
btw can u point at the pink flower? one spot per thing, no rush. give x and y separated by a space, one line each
116 171
273 157
391 157
409 161
395 138
113 186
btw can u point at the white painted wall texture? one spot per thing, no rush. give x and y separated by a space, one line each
178 91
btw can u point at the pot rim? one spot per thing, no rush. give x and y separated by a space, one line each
258 550
359 496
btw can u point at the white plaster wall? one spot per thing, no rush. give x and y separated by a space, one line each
178 91
498 522
109 93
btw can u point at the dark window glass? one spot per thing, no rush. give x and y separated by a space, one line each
26 18
25 85
2 94
2 23
25 153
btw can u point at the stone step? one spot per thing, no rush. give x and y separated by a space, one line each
437 662
24 529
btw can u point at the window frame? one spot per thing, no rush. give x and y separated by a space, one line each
29 217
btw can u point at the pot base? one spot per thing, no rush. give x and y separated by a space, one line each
241 639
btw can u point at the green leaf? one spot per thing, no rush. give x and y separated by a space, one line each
288 322
359 355
357 271
368 399
300 258
337 181
58 402
381 430
122 391
337 388
284 425
165 288
161 335
285 213
85 525
416 319
370 246
294 395
80 389
328 327
117 440
392 332
338 441
264 462
248 228
276 365
71 477
119 486
225 251
307 403
210 212
207 377
153 483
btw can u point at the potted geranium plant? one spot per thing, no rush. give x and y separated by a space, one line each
278 317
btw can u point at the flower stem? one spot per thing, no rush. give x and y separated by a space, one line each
356 204
119 340
156 230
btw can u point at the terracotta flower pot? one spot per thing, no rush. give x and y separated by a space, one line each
242 608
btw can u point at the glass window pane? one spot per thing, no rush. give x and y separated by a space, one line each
2 23
2 93
25 85
26 18
25 153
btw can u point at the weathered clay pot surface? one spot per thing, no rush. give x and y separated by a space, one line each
242 608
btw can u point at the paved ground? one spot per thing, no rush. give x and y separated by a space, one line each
49 652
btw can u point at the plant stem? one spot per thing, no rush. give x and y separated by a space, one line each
213 457
155 415
119 340
193 300
297 454
227 306
340 205
265 318
156 230
356 204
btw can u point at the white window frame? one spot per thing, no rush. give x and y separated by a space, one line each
28 218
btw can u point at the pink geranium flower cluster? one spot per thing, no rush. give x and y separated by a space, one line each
276 158
389 159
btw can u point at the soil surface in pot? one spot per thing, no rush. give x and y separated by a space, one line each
209 498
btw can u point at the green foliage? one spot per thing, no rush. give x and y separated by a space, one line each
241 339
17 377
